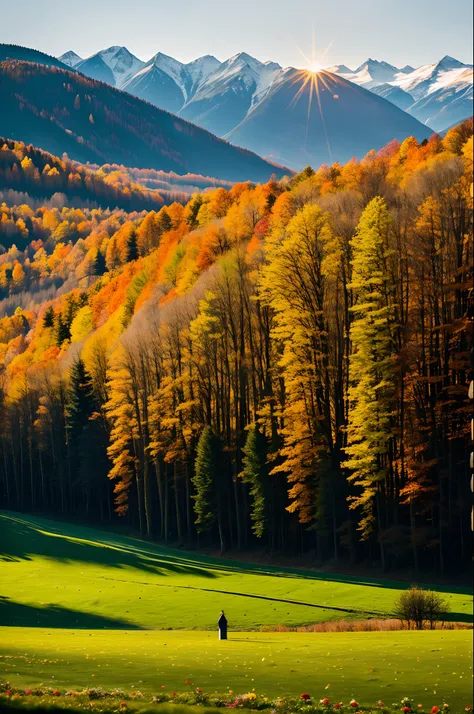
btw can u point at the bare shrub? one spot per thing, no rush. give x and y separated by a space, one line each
417 607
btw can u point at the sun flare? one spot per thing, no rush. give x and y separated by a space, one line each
315 67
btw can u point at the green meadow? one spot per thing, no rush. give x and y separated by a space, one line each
61 575
84 608
428 666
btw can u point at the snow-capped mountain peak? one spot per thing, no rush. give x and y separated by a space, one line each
272 65
375 65
173 68
339 69
70 58
241 59
108 53
200 68
122 62
448 62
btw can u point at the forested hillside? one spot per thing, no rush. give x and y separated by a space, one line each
27 54
284 364
41 175
64 111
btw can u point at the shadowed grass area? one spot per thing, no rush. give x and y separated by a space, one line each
55 570
106 708
55 616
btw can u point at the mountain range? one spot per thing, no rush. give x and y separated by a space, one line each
279 113
438 94
222 96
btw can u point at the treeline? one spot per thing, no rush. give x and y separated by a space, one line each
40 174
285 364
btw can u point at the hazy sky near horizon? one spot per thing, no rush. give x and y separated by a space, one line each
403 32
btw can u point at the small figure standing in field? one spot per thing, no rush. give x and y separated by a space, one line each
222 623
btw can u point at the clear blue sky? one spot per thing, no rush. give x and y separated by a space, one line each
398 31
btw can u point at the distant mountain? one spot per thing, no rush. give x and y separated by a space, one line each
372 73
420 82
71 58
397 96
435 94
225 97
16 52
221 96
448 101
160 83
95 68
63 111
122 64
339 69
314 119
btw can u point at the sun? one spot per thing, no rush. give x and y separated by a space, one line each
314 67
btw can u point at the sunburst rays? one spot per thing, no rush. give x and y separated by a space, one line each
311 81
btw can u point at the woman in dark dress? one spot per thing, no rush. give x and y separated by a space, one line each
222 623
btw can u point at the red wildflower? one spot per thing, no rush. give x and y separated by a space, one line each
306 697
199 689
435 710
8 692
406 709
163 686
354 703
56 693
186 681
325 701
27 691
338 705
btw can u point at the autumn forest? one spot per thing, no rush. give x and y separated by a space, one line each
282 366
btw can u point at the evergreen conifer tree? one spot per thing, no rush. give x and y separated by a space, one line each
254 473
205 479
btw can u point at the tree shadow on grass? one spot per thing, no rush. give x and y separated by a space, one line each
24 539
16 614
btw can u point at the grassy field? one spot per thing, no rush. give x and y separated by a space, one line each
81 608
58 575
428 666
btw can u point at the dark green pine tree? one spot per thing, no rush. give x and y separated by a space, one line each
48 317
70 310
206 470
99 267
132 246
80 407
94 465
255 474
61 330
193 212
164 221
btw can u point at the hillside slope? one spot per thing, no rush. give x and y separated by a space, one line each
26 54
75 576
63 111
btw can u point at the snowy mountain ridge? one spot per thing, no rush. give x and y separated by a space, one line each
205 89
